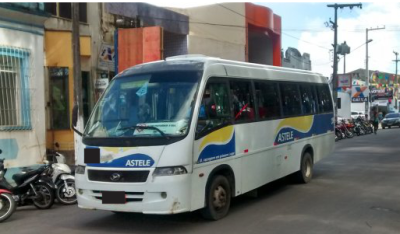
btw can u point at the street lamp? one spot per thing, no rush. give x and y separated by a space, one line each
367 105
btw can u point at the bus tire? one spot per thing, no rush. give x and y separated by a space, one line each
304 175
218 198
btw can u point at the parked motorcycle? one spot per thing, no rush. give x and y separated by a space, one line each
31 187
358 129
350 125
342 126
7 203
365 125
63 179
338 133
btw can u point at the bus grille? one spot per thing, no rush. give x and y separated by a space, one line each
123 176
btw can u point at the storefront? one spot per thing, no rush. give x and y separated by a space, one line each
60 88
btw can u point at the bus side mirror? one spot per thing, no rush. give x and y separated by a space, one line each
75 116
75 119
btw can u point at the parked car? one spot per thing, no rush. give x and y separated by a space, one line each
356 114
391 119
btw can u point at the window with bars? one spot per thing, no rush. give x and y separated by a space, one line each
14 89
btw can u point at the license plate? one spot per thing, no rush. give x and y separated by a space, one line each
113 197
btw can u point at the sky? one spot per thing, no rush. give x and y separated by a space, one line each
303 27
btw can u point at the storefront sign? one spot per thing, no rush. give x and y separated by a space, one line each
381 93
359 94
101 83
344 80
106 57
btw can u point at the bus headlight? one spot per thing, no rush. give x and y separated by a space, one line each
168 171
80 169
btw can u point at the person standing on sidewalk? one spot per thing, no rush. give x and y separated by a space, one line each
375 121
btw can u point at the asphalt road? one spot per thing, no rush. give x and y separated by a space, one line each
355 190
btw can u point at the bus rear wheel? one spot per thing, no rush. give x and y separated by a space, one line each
304 175
218 198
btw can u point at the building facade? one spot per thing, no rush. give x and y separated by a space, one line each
236 31
22 84
97 63
383 86
294 59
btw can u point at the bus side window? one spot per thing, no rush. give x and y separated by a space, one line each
267 100
290 99
242 101
324 99
214 108
308 99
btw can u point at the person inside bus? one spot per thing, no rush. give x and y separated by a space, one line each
110 112
306 104
144 113
205 111
133 109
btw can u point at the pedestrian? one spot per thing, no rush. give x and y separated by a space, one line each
375 121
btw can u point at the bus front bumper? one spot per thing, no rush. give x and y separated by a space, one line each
159 195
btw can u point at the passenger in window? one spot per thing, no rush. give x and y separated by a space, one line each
110 110
133 109
144 113
313 106
206 104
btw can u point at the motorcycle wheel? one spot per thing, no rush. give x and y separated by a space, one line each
349 134
338 135
66 196
45 196
7 206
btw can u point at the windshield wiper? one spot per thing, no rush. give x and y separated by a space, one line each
93 127
146 127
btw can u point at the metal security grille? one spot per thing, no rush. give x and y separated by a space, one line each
14 89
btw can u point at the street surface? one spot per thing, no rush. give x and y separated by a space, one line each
355 190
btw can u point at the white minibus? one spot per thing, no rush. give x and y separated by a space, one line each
192 132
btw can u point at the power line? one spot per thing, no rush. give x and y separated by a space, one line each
305 41
281 29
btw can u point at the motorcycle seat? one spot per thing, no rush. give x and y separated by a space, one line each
19 178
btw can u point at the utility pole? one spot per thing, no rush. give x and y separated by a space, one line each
335 56
76 57
344 63
396 53
368 105
395 78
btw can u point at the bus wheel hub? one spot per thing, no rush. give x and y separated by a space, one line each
219 197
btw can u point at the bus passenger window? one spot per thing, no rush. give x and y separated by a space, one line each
308 99
267 100
214 109
290 99
324 99
242 100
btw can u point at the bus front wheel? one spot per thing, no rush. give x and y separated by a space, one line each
304 175
218 198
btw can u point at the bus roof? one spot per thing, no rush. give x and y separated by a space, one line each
222 67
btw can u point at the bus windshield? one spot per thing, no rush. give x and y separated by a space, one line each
145 105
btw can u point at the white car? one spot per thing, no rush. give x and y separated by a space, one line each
356 114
